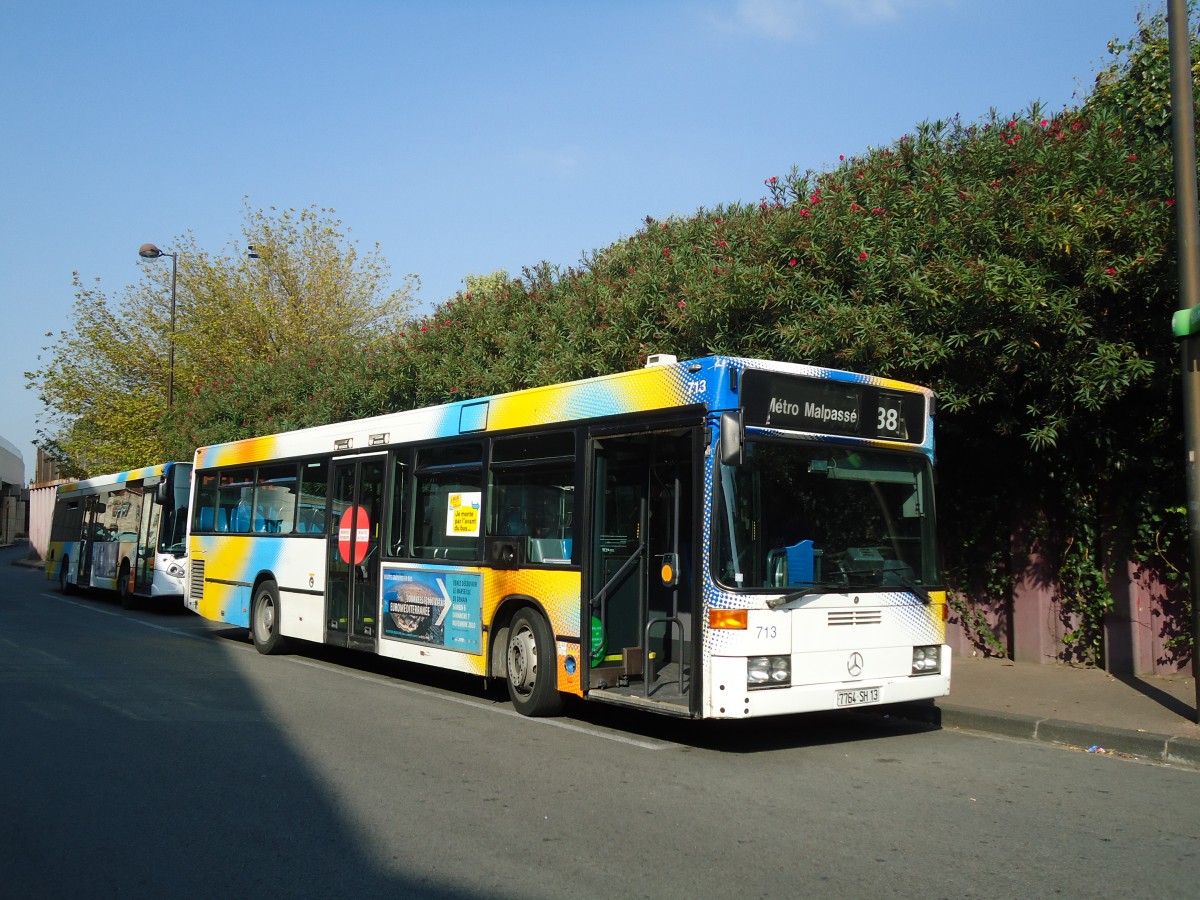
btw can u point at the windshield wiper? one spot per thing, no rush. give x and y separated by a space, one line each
785 599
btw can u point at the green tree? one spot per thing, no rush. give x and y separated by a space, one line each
255 339
103 384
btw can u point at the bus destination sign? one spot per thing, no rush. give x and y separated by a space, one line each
796 403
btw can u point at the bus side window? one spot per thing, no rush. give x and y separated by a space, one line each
533 494
447 493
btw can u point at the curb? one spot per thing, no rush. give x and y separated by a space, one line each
1165 748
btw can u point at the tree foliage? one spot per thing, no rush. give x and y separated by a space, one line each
1021 265
259 341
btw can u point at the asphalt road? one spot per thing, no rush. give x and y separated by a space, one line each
153 754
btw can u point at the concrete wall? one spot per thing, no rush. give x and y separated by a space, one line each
1139 634
41 511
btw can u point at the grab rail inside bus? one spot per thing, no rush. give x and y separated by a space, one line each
599 603
669 620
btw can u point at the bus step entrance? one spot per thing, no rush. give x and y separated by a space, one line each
625 680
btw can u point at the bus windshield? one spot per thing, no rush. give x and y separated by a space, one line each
798 516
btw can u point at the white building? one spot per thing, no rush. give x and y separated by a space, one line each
12 485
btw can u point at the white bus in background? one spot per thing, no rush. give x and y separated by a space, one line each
124 532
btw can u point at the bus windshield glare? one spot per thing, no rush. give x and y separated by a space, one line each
799 516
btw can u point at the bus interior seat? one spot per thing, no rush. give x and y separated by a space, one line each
794 565
549 550
241 519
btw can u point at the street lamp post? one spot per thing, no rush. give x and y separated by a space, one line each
149 251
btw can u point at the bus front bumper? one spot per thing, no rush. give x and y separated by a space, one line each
730 696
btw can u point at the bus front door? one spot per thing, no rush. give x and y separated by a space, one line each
147 542
640 581
352 574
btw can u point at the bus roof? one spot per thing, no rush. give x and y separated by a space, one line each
93 485
662 385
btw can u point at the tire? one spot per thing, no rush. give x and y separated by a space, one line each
530 663
264 619
65 586
125 594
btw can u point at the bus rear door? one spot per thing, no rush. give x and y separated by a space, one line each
352 579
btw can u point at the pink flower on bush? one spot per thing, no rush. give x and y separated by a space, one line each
863 255
666 251
804 213
1110 271
791 262
681 304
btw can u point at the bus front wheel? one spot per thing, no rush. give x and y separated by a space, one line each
264 619
530 663
124 591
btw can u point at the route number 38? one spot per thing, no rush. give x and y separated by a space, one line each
890 421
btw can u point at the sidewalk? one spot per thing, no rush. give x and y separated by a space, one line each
1150 717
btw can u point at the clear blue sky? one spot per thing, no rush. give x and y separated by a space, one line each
463 137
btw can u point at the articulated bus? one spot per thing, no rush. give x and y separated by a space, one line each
125 532
717 538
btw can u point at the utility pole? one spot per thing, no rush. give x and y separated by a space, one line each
1187 319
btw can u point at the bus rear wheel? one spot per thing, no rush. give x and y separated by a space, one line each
530 663
64 583
264 619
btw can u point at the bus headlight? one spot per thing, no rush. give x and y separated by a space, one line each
927 660
176 570
768 671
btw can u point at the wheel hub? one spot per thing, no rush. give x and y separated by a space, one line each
522 661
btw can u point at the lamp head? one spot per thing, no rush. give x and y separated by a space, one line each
149 251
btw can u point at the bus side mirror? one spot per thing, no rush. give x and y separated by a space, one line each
733 439
160 492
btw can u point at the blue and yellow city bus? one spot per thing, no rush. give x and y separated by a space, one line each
715 538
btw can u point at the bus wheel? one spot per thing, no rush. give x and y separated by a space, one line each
127 597
63 584
264 619
530 663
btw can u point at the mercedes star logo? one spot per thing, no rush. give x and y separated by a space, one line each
854 665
